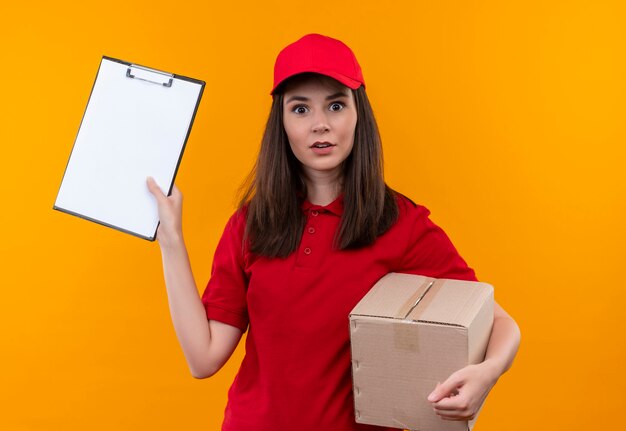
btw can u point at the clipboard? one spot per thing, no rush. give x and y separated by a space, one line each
136 124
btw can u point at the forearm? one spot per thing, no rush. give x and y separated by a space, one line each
503 343
186 309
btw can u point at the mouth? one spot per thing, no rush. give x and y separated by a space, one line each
322 145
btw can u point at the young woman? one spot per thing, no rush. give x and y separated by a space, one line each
316 228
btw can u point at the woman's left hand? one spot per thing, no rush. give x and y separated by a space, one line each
461 395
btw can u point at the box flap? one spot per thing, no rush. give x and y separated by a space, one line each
424 299
408 290
451 302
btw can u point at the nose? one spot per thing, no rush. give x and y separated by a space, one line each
320 123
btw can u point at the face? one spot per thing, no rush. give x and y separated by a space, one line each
319 116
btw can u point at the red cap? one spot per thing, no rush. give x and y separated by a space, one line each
318 54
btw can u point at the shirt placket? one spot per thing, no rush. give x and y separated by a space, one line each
309 252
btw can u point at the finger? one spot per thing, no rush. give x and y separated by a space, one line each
154 188
445 389
176 194
455 415
434 395
450 404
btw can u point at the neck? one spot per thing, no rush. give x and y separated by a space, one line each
323 187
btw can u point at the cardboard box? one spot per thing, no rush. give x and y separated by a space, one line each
408 333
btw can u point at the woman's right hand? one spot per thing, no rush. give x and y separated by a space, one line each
207 344
170 208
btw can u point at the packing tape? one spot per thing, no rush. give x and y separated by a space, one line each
425 300
406 332
415 299
406 336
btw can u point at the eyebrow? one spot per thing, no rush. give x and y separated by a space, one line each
306 99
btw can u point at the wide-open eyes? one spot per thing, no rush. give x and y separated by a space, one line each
303 109
300 109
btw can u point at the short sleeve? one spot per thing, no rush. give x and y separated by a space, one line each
224 297
429 250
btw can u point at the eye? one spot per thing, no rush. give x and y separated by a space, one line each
299 109
336 106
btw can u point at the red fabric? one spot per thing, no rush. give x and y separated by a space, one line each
296 373
319 54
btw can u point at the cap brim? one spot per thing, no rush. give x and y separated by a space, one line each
348 82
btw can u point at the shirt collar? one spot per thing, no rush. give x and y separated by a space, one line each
335 207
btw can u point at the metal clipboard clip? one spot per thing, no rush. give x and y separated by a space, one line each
150 75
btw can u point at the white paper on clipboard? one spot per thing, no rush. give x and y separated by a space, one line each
136 125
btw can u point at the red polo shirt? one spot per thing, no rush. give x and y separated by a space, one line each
296 374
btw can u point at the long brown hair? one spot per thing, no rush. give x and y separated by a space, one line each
274 190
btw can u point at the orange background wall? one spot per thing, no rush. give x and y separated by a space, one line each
506 119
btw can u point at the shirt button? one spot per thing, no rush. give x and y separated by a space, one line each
314 213
311 230
307 250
